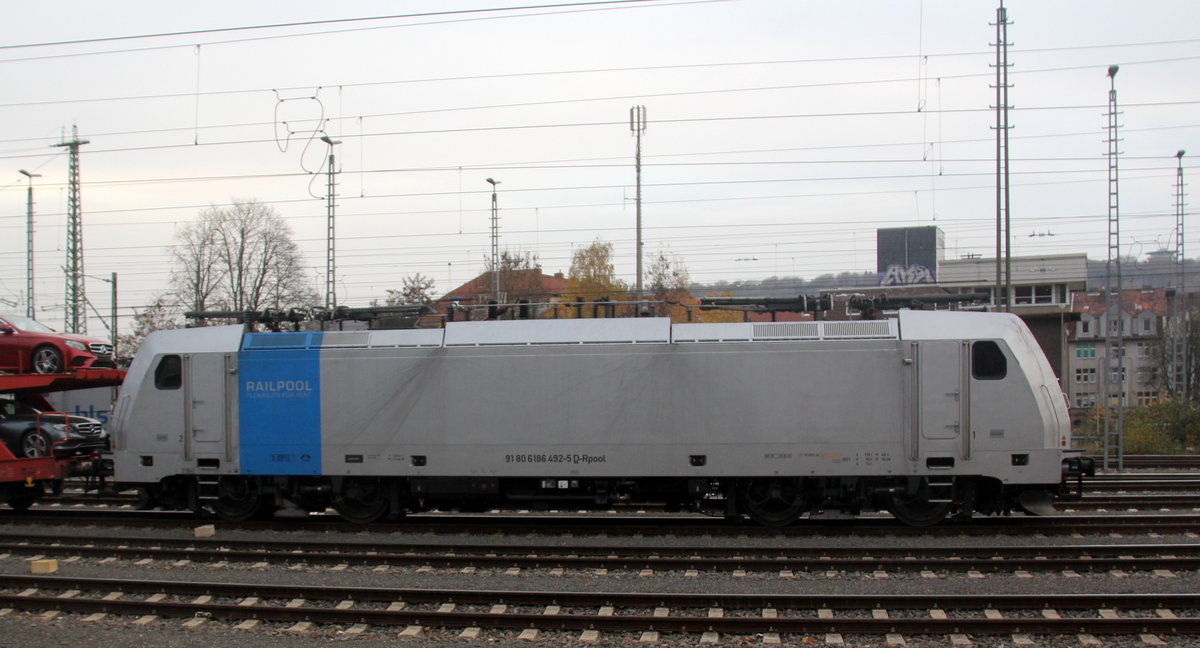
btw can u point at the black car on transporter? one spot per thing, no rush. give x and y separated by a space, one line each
29 432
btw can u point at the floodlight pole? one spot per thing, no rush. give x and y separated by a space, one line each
29 309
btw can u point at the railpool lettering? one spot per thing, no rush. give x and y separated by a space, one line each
278 386
265 389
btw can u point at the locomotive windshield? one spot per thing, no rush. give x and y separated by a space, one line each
988 361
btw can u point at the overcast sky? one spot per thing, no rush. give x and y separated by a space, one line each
779 136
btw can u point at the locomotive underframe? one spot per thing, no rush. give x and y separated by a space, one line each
773 501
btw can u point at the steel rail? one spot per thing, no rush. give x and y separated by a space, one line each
647 525
21 539
1092 497
1162 461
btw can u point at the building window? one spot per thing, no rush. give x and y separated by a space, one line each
1147 397
1147 375
1117 350
1117 376
1148 325
1043 294
1085 400
1085 327
1143 349
1085 350
1085 376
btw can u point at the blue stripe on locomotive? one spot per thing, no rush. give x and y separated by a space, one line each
279 403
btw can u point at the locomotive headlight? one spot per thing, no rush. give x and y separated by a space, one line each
78 346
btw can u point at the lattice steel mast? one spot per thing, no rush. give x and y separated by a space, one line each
1180 382
1114 331
76 300
330 230
1003 229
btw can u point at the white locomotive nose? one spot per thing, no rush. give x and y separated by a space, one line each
764 420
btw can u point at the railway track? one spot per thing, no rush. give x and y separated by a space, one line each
1129 501
462 559
542 524
1148 493
1178 462
770 558
533 611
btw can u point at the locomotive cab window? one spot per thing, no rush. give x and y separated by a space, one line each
988 361
169 372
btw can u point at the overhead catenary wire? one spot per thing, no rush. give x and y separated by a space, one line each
581 7
597 124
158 205
311 23
797 86
915 176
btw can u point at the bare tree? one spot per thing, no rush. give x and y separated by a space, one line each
669 276
197 272
416 289
159 315
669 280
520 276
1184 329
240 257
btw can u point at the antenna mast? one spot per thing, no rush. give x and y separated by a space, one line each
637 124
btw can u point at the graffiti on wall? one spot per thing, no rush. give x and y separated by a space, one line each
901 275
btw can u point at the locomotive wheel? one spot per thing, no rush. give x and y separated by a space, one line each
774 502
362 500
240 499
146 501
917 510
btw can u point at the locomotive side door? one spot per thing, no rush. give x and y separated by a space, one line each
940 398
206 404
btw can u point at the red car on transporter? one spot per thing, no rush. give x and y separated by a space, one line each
28 346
